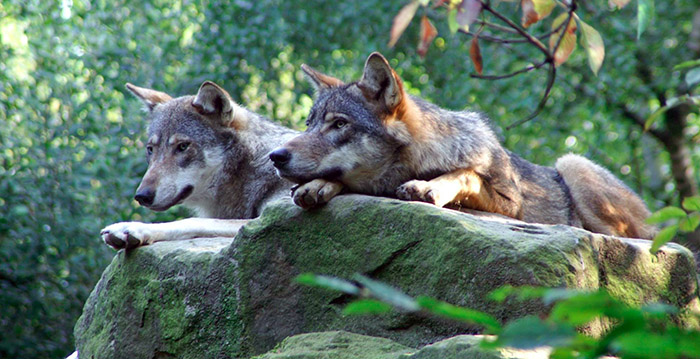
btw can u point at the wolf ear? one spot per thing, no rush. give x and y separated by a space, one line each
149 97
380 83
212 100
320 81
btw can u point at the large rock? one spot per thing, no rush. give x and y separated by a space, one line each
212 298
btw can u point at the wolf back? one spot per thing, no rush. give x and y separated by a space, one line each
369 136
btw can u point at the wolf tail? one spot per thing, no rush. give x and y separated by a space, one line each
604 204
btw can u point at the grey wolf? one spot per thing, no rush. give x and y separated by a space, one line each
369 136
209 154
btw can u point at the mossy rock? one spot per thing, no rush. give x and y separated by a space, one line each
222 298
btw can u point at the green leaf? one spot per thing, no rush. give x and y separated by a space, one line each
522 292
582 308
387 294
691 203
327 282
366 306
665 214
645 12
532 332
592 42
689 223
452 21
654 116
458 313
686 65
692 78
663 237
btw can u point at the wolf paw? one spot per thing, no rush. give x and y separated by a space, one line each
315 193
418 191
126 235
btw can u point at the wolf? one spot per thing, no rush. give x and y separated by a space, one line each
369 136
209 154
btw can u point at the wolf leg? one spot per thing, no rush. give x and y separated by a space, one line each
316 192
133 234
463 187
604 204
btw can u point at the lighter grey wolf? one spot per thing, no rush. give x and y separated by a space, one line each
371 137
209 154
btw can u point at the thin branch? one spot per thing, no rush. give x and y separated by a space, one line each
537 43
496 26
491 38
512 74
551 75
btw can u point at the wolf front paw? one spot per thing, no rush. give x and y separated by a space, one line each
315 193
419 191
126 235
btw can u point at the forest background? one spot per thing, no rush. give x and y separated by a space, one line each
71 137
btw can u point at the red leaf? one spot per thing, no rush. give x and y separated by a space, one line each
401 21
535 10
428 32
568 42
475 54
467 12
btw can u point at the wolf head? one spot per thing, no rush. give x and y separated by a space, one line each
187 137
354 131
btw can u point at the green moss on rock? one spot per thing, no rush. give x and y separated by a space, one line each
335 345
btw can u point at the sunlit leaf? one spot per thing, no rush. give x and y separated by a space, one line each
582 308
532 332
535 10
467 12
592 42
387 294
568 42
665 214
692 78
327 282
428 32
475 55
458 313
686 65
664 236
654 116
691 203
401 21
689 223
618 3
366 306
645 12
452 21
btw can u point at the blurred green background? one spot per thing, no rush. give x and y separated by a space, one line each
71 137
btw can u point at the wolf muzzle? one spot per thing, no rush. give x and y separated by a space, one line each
280 157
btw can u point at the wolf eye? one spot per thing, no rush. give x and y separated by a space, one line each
340 123
149 150
182 146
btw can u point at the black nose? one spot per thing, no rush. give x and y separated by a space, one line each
145 197
280 157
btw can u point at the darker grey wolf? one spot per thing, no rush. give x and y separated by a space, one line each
371 137
209 154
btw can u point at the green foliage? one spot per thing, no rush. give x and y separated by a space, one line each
636 332
678 219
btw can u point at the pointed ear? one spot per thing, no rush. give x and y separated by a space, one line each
320 81
212 100
380 83
149 97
